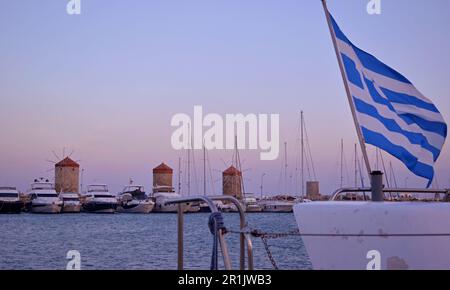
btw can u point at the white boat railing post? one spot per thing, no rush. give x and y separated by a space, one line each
221 237
180 237
244 238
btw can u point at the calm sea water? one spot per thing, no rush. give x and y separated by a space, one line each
127 241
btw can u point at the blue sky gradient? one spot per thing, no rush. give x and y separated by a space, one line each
107 82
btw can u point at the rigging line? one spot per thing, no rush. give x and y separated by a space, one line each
296 183
385 173
240 169
341 164
280 177
297 156
308 166
356 164
308 147
394 178
384 169
361 176
346 167
213 189
195 172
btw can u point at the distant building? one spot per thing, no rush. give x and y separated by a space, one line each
312 190
162 178
232 182
67 176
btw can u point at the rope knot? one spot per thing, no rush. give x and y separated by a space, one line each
216 222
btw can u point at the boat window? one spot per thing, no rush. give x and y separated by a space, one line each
8 194
42 186
47 195
71 199
98 188
102 195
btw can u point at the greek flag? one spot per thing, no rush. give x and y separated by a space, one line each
392 114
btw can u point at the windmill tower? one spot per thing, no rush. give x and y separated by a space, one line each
232 182
162 178
67 176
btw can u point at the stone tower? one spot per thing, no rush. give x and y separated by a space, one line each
232 182
67 174
162 178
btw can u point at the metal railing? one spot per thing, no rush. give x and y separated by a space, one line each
338 192
244 238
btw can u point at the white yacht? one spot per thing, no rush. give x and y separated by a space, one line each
71 202
162 195
9 200
194 207
366 235
226 207
221 206
99 199
251 204
272 205
133 199
44 198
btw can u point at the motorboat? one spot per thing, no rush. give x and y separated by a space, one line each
251 204
44 198
98 199
10 200
273 205
133 199
162 195
71 202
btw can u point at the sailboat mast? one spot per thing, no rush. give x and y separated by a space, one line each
238 164
189 163
302 140
179 175
342 163
347 89
356 165
285 168
204 170
385 171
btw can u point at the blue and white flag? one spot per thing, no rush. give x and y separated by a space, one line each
392 114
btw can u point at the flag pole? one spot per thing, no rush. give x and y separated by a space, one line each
347 89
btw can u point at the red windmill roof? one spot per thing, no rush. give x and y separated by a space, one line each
67 162
232 171
162 168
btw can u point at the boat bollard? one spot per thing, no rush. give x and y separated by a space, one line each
377 186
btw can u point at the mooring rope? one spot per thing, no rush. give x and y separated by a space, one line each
215 225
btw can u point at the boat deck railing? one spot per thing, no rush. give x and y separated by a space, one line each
340 191
245 239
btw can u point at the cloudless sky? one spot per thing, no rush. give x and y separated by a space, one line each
106 83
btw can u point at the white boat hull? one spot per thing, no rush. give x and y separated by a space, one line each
144 207
169 208
71 208
100 207
253 209
368 235
46 208
280 208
